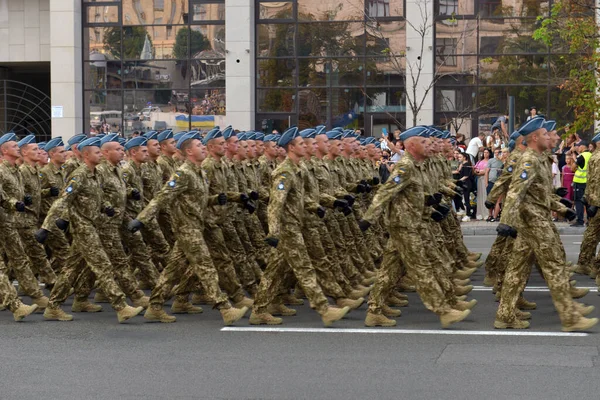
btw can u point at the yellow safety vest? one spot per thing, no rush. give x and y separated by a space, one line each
581 173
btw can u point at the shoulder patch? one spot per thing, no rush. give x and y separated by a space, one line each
527 165
171 183
510 169
401 171
397 179
281 186
524 175
69 189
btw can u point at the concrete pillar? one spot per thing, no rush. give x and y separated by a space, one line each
422 13
240 67
65 67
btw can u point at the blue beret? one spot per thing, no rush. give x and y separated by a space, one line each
250 135
122 141
309 133
54 142
349 133
378 144
113 137
446 135
178 135
100 135
271 138
89 142
29 139
42 145
370 140
135 142
188 136
453 141
550 125
68 147
288 136
242 136
515 135
259 136
151 135
8 137
421 131
511 145
334 135
361 141
531 126
339 129
435 132
165 135
214 133
321 129
76 139
228 132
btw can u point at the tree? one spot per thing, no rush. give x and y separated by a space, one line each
132 41
198 43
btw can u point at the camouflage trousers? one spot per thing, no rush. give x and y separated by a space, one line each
156 243
347 255
8 294
320 260
257 236
359 242
228 279
540 241
242 261
492 262
454 232
257 256
591 238
262 215
122 272
291 253
166 225
410 248
188 265
58 245
332 254
18 263
139 255
37 255
87 250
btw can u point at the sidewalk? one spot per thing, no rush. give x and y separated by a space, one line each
482 228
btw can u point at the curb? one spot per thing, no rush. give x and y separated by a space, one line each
491 230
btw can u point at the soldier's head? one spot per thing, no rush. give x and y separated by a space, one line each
535 134
242 150
281 153
417 142
9 147
167 143
136 149
260 144
56 151
112 152
216 146
42 154
193 150
271 149
232 144
30 151
293 143
251 151
90 151
322 145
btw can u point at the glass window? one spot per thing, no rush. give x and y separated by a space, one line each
102 107
385 71
330 10
331 39
384 8
278 10
455 7
102 74
312 107
208 12
155 75
275 100
208 41
272 123
102 15
455 99
347 107
275 72
383 99
514 69
102 43
146 12
207 103
155 42
456 37
331 72
386 38
156 109
275 40
207 72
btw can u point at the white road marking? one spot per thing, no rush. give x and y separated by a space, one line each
532 288
576 242
401 331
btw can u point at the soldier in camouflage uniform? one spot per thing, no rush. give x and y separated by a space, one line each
76 160
267 164
10 300
287 205
188 195
80 207
168 165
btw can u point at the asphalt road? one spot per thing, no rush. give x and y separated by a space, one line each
93 357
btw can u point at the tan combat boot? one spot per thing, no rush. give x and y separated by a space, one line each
473 256
474 264
462 298
291 300
462 290
202 299
369 281
394 301
373 319
232 314
582 269
128 312
57 314
522 315
156 313
23 311
578 293
461 282
488 281
463 273
242 301
407 287
516 324
99 297
593 273
333 314
399 295
524 304
280 309
370 274
584 324
450 317
264 319
464 305
85 306
357 294
185 307
351 304
583 309
41 302
390 312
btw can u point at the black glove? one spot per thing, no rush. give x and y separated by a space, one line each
364 225
368 188
109 211
62 224
437 216
443 209
244 197
506 231
459 190
375 181
20 206
346 211
350 199
28 200
566 202
433 199
134 225
340 204
41 235
461 184
584 201
591 211
561 191
222 199
360 188
250 206
253 195
271 241
54 191
571 215
489 205
321 211
135 194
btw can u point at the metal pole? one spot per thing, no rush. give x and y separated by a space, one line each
511 114
372 133
289 121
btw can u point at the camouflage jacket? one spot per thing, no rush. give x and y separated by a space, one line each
115 191
187 195
132 175
502 184
312 189
152 179
11 182
168 166
592 190
71 165
217 173
32 186
50 176
265 169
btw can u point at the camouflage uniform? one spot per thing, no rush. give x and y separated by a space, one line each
187 196
81 204
591 236
52 176
255 229
71 165
168 166
529 204
402 196
8 294
27 224
18 262
286 212
265 169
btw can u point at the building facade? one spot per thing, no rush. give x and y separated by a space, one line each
261 64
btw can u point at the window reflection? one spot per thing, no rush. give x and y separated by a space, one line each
144 12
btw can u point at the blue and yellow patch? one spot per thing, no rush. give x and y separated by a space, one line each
524 175
510 169
281 186
69 189
171 183
397 180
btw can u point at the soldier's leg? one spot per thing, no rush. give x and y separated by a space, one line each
591 237
261 212
59 246
8 294
241 260
166 225
251 252
387 275
19 264
139 255
156 243
349 257
360 243
37 255
491 262
257 236
360 259
334 257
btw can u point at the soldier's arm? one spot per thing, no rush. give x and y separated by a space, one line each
400 178
525 172
175 187
282 183
264 177
128 174
501 185
60 207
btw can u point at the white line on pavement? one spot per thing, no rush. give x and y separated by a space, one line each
530 288
400 331
576 242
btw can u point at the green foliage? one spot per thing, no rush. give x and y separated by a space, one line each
198 43
132 41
